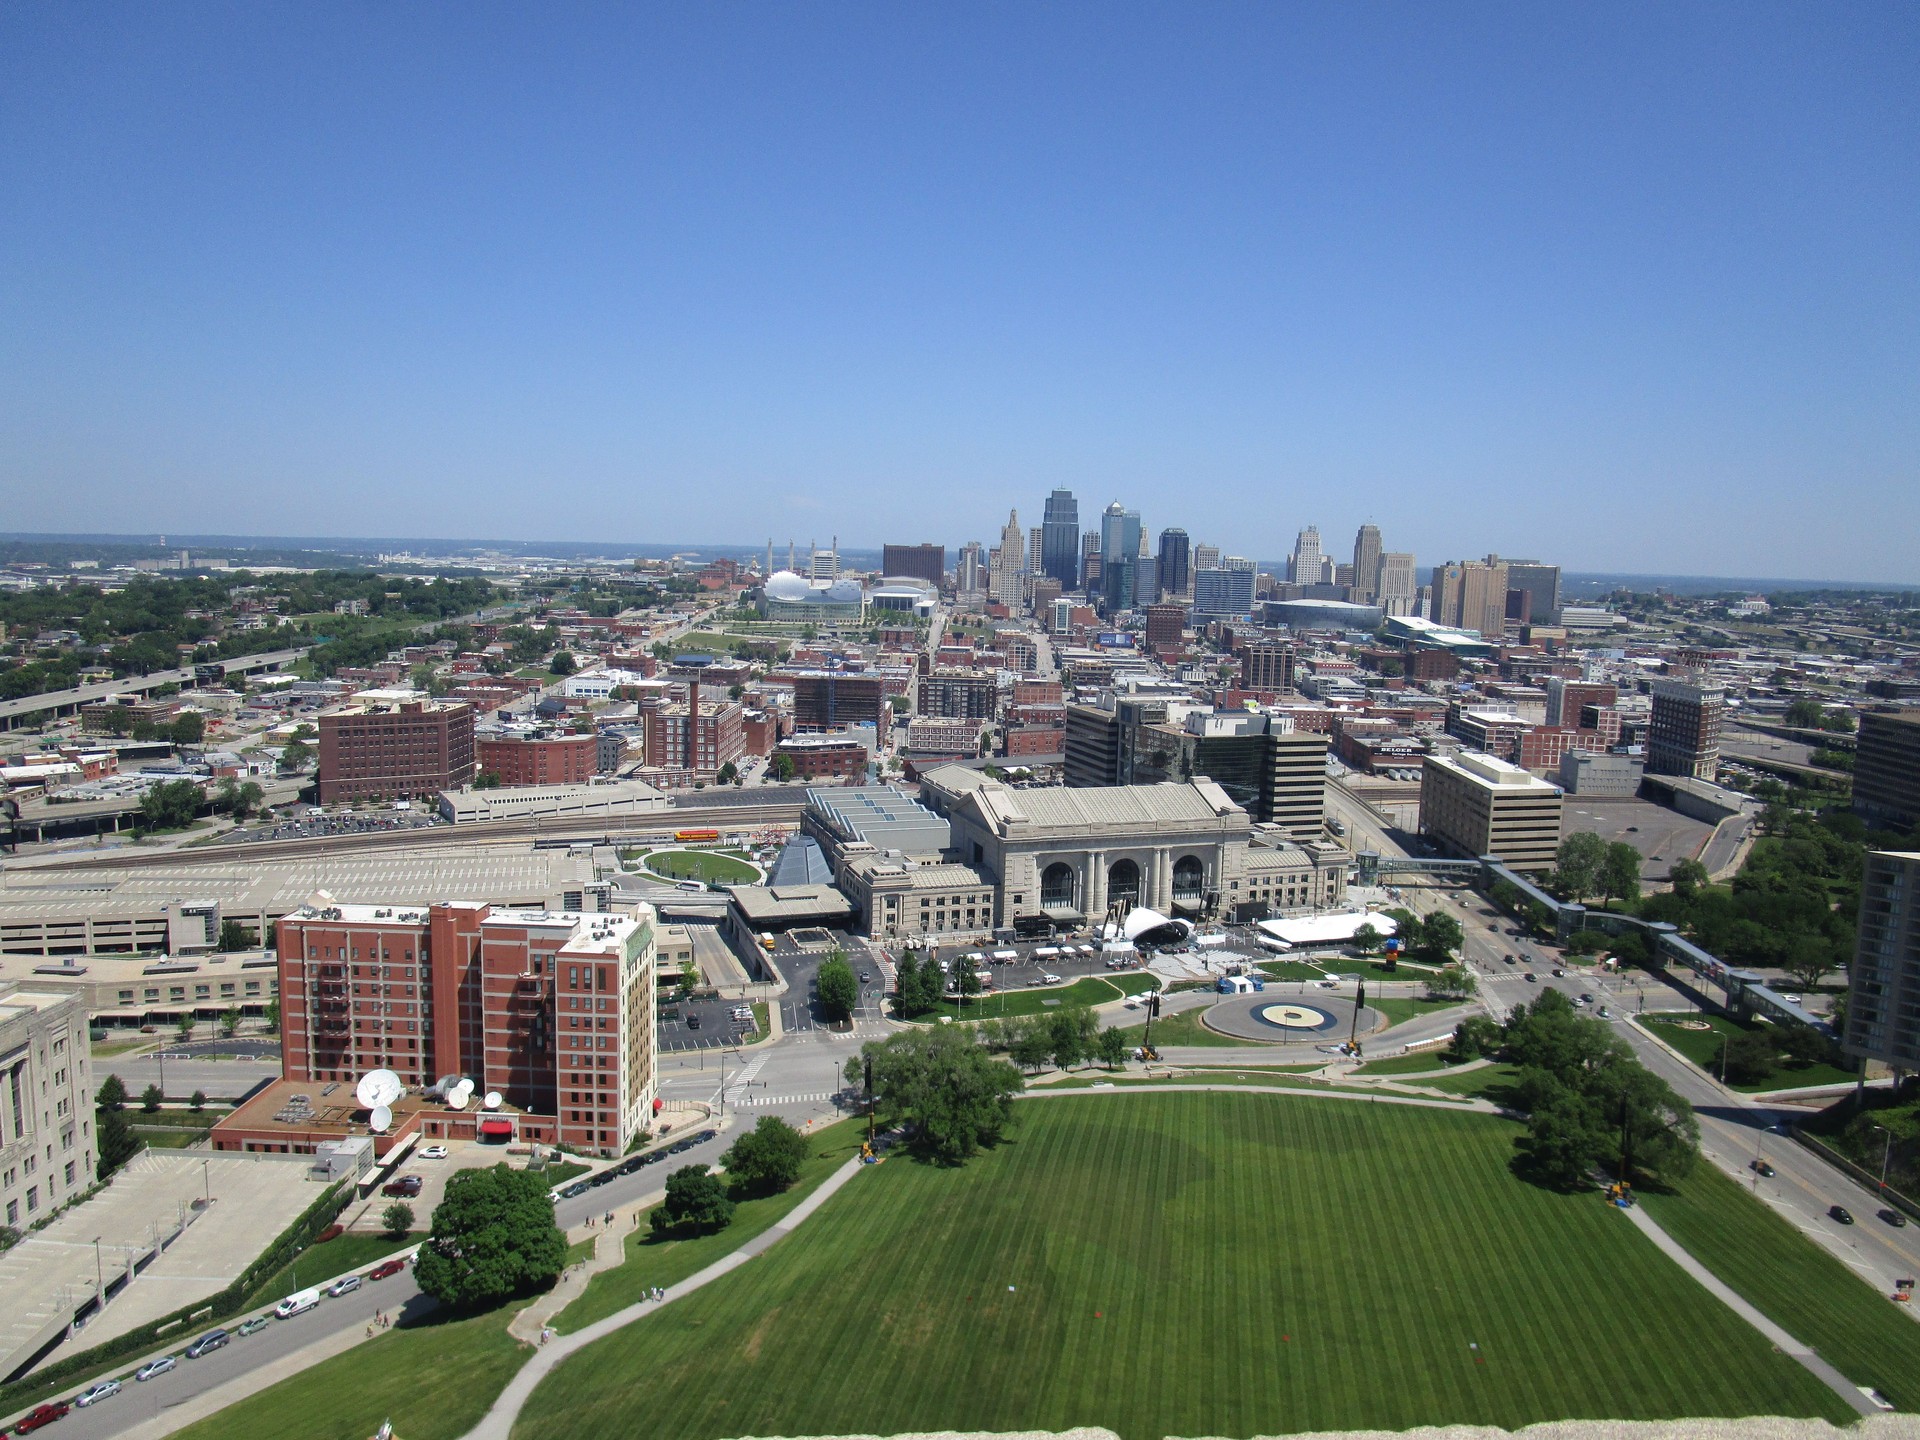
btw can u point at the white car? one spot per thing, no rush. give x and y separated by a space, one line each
1047 978
434 1152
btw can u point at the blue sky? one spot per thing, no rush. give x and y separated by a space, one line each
1626 287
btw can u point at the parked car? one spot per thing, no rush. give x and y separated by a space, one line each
434 1152
1048 978
406 1185
158 1366
693 1022
40 1415
93 1394
575 1190
1761 1167
386 1268
1893 1217
344 1285
253 1326
1840 1213
208 1343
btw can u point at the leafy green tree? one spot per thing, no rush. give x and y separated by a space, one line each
1620 872
235 936
1806 714
1810 959
271 1014
766 1159
296 754
230 1022
1577 865
1366 940
562 663
966 980
1033 1046
493 1238
938 1082
696 1204
1453 982
397 1219
1474 1037
1750 1058
237 798
1440 936
170 805
189 728
197 1101
116 1141
729 774
113 1094
1070 1033
150 1099
1566 1135
1112 1046
1688 877
836 987
782 767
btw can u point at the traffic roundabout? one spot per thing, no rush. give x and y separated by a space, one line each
1269 1019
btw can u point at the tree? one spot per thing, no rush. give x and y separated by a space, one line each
1112 1047
1033 1046
487 780
966 980
1750 1058
493 1237
397 1219
767 1159
1577 865
1688 877
1566 1136
1070 1032
1620 872
170 805
1810 960
235 936
296 754
838 990
916 986
188 728
1474 1037
561 664
943 1086
696 1204
1366 939
183 1027
1806 714
270 1014
116 1141
729 774
782 767
150 1099
1440 936
197 1101
113 1094
230 1021
1453 982
238 798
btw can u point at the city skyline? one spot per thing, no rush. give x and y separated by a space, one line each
673 271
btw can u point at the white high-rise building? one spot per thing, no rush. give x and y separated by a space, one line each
1399 591
1005 584
1366 564
1308 564
1206 557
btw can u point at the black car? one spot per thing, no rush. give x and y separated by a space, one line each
574 1191
1531 978
1841 1213
1761 1167
1893 1217
693 1022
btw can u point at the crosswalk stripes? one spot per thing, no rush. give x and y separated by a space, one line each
747 1102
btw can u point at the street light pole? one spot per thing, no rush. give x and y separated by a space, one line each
1886 1154
99 1280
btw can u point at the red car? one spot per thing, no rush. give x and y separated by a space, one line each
40 1415
406 1185
386 1268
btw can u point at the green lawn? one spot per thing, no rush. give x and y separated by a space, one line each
1414 1064
1799 1286
1093 990
433 1379
1187 1264
1483 1083
334 1257
1183 1028
1400 1008
560 1172
702 865
1702 1047
653 1262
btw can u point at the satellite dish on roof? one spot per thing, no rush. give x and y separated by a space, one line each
461 1095
382 1118
444 1085
378 1088
493 1100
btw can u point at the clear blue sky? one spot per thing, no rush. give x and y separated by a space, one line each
1627 287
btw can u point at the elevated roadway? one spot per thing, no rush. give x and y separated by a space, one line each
32 710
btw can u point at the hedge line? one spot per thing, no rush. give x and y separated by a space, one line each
224 1304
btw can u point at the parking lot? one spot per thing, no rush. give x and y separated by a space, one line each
1662 836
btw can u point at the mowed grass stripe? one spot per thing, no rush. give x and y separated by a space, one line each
1382 1238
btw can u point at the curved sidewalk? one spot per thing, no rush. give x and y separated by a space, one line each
497 1424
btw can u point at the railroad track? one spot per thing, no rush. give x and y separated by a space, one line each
482 832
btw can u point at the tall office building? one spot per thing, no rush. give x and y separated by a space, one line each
1036 552
1176 569
1060 539
1474 805
1683 732
1090 563
1206 557
1010 563
970 570
1366 565
824 564
1883 997
1541 584
1307 565
1399 591
1119 556
1472 595
1886 769
917 562
1266 666
1223 594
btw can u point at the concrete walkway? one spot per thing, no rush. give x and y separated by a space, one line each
497 1424
1781 1340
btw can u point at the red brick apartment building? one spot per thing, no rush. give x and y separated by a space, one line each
391 752
551 1009
539 759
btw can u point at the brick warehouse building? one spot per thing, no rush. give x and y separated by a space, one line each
539 759
552 1009
391 752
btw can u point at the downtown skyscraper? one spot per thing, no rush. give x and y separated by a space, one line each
1060 539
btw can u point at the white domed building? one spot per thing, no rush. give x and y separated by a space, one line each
788 596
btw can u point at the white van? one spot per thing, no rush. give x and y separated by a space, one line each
295 1304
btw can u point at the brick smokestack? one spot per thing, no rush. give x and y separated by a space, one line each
693 721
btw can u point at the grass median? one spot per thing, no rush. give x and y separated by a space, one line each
1009 1004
